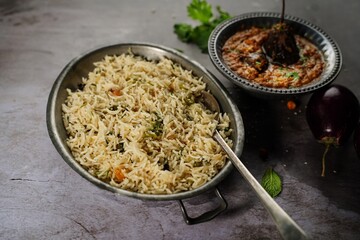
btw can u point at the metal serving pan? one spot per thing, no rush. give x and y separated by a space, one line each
71 76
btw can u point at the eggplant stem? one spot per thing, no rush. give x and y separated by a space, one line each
323 159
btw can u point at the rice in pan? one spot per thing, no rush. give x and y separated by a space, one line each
136 124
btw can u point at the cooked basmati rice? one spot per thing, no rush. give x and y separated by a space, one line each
136 124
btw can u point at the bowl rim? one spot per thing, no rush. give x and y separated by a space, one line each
52 125
216 59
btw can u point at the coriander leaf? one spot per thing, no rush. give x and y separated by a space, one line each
271 182
304 59
200 36
200 10
294 75
183 31
222 16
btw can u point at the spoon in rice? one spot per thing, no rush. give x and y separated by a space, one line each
287 227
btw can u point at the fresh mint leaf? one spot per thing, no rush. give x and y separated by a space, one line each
200 10
271 182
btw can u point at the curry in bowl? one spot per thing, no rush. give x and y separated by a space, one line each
244 54
238 49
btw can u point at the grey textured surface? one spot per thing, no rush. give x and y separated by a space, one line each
43 198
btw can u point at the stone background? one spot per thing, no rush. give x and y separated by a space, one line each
41 197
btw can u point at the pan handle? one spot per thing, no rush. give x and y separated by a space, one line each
207 216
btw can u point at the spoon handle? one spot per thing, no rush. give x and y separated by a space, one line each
285 224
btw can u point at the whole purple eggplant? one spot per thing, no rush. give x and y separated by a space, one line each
332 114
357 139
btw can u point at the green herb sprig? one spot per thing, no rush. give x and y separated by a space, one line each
271 182
201 11
294 75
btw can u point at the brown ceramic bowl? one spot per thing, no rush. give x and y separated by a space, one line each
317 36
